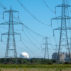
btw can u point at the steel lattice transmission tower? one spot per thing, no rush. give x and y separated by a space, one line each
46 52
64 18
11 43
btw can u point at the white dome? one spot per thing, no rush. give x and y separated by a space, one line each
24 55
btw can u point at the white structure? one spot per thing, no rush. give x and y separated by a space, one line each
64 57
24 55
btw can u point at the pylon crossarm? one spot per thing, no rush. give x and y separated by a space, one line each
55 30
60 18
56 18
48 44
3 35
14 11
5 23
17 34
5 12
21 23
8 11
68 28
18 23
59 5
10 34
15 23
59 28
63 5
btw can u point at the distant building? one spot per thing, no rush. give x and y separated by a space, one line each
24 55
63 57
68 58
55 56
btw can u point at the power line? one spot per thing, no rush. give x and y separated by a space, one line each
48 7
33 36
51 12
34 17
32 30
27 47
30 39
1 5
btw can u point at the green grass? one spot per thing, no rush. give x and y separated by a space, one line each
59 66
22 67
34 69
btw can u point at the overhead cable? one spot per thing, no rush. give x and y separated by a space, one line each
30 39
48 7
1 5
33 31
22 5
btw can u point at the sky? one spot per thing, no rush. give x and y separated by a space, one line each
31 42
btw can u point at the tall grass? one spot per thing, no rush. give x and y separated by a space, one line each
35 66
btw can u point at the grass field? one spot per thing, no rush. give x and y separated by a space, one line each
33 69
55 67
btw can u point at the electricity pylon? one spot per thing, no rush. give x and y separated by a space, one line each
70 45
46 52
64 18
11 43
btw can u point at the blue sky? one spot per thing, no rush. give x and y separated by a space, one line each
34 46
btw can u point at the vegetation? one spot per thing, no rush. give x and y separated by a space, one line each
26 61
58 66
32 65
32 69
